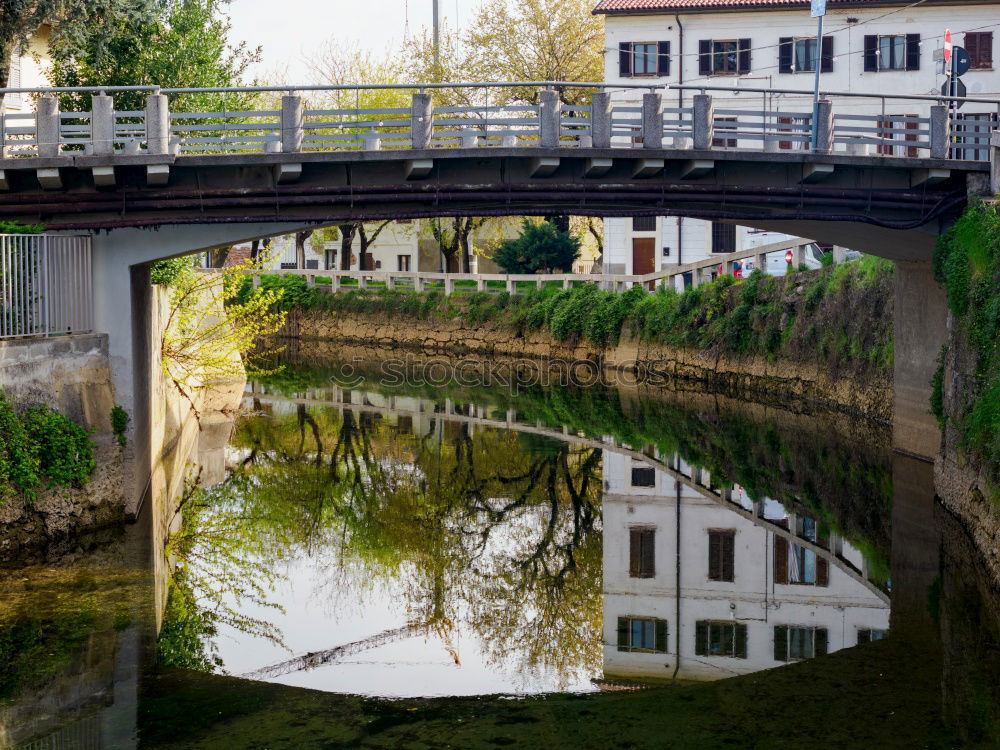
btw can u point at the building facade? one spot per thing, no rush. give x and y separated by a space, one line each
694 590
869 46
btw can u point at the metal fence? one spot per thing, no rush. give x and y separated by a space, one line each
45 285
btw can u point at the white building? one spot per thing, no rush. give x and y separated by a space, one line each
740 596
869 46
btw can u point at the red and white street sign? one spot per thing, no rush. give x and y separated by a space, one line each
947 46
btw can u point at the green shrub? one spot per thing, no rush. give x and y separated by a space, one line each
16 227
39 447
165 272
540 247
119 423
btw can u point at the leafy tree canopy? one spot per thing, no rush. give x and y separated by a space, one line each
541 247
184 45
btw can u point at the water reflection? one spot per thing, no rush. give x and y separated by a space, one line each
438 541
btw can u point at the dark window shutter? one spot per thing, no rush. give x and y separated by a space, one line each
741 641
623 634
743 64
728 556
864 636
714 556
871 53
971 44
821 641
986 49
705 57
660 644
785 44
822 571
781 643
826 58
913 51
663 58
701 638
634 552
625 59
648 553
780 560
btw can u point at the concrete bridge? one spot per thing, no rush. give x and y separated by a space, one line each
207 179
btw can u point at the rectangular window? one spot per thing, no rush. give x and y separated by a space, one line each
798 643
647 634
644 58
643 476
403 262
723 57
867 635
720 638
723 237
15 101
721 555
642 552
804 60
979 45
892 52
643 223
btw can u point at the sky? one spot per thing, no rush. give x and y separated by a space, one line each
289 30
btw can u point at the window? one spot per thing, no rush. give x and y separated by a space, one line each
723 237
14 81
642 634
892 52
798 55
720 638
402 262
643 223
721 554
643 476
643 59
979 45
797 643
723 57
642 553
867 635
799 564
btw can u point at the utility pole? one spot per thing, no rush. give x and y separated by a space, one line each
437 35
817 10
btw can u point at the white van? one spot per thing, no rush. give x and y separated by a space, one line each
812 257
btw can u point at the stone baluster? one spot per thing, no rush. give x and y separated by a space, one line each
157 125
824 126
292 121
548 119
703 122
421 121
600 119
652 121
47 126
102 124
940 128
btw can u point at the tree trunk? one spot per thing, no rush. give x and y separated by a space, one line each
466 255
300 248
347 232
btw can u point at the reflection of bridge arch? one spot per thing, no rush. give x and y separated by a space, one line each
694 481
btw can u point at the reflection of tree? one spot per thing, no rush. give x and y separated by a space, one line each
479 528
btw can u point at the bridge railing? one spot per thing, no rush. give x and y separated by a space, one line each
773 121
45 285
462 283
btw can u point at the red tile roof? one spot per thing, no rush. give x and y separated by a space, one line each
638 6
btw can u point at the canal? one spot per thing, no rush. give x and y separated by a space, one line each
430 553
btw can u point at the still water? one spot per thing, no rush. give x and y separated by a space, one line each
407 536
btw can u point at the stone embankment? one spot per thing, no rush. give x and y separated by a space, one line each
779 382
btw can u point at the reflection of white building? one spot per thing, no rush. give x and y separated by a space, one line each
705 587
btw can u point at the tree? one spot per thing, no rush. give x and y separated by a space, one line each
452 236
541 247
75 24
184 45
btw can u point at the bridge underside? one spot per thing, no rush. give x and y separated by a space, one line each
893 207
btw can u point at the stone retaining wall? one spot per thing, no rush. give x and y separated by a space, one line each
778 382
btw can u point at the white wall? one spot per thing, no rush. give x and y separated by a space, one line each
753 599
